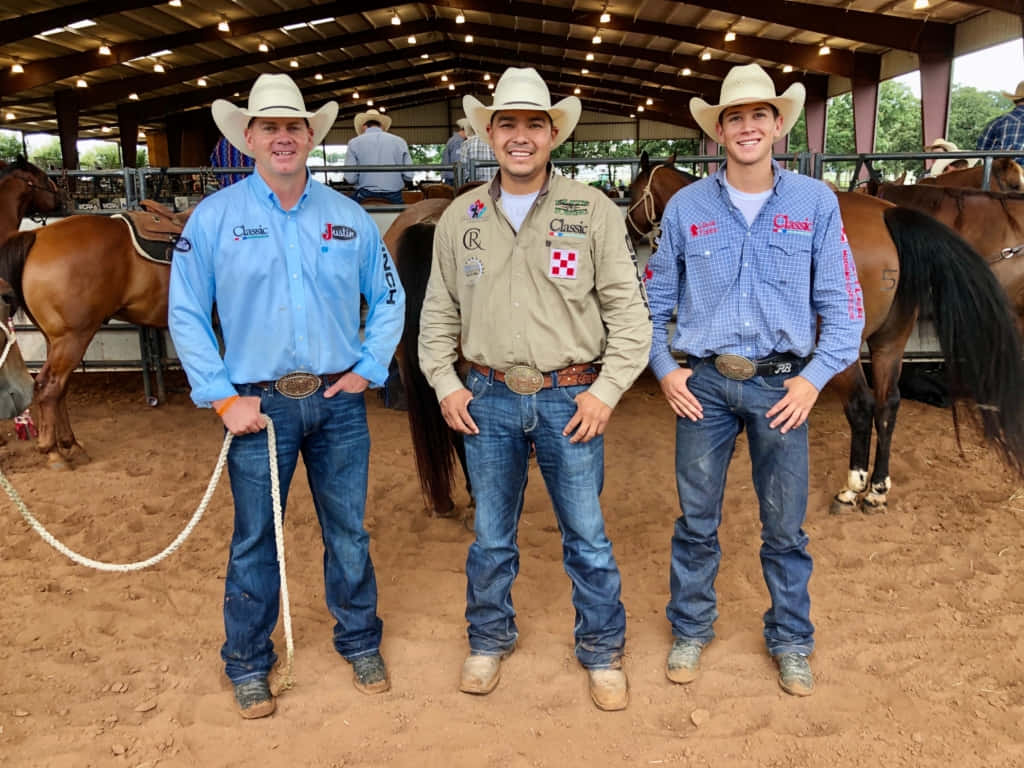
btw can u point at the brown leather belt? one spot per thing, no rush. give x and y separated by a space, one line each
299 384
574 375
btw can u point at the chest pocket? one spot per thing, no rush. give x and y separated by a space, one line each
788 266
711 267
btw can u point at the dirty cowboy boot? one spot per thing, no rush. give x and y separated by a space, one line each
609 688
254 698
369 675
795 674
683 663
481 673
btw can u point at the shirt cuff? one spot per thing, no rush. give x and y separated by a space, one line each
446 384
372 371
605 391
817 373
662 363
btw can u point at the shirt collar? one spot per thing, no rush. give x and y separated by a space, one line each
265 193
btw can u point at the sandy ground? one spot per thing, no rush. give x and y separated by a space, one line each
919 613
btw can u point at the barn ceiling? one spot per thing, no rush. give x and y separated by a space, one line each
104 56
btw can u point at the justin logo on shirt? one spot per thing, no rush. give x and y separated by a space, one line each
338 232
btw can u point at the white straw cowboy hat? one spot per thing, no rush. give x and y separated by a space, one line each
371 114
271 96
944 145
749 84
1017 95
523 88
463 123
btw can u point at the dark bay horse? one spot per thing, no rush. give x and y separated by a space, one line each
410 239
70 277
26 190
905 261
991 222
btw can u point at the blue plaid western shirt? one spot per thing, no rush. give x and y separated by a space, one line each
759 289
1005 132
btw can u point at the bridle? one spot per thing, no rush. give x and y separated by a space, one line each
646 199
50 189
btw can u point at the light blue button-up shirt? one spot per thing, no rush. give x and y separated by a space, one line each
286 286
376 147
759 289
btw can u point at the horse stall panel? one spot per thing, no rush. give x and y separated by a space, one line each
115 347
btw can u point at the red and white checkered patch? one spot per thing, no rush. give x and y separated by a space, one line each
563 264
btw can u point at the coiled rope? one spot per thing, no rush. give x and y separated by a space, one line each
285 680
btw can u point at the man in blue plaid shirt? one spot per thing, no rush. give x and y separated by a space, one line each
751 257
1007 131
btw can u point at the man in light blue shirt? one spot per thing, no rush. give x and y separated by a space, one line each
286 259
450 155
751 257
373 145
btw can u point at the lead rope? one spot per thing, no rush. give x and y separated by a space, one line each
285 680
650 208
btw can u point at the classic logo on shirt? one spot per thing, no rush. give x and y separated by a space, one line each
476 210
703 228
338 232
563 264
782 223
559 228
472 270
243 232
572 207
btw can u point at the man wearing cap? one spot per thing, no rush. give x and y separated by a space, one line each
750 257
536 275
450 155
1007 131
286 259
375 145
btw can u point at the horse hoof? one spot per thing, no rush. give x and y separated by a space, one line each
839 507
873 507
58 464
450 511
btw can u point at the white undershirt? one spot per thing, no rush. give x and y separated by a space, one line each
749 203
517 206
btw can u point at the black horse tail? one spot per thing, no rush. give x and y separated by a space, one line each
432 440
13 255
942 274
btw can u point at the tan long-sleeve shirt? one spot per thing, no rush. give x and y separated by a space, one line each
564 290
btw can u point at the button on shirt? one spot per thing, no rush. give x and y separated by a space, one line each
563 290
756 290
286 286
377 147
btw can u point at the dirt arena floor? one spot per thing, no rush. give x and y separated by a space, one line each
919 613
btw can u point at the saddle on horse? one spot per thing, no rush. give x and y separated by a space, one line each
155 230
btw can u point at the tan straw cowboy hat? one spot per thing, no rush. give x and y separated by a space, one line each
749 84
522 88
371 114
1017 95
944 145
271 96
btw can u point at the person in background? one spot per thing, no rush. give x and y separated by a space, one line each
286 259
450 155
475 150
374 145
947 164
1007 131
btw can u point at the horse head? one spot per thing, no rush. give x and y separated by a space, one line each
43 195
650 192
16 383
1007 175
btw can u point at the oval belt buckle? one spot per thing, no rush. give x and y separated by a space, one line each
735 367
524 379
298 385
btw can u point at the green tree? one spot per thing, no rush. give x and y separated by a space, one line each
104 156
426 154
141 156
48 155
10 146
970 110
798 135
898 128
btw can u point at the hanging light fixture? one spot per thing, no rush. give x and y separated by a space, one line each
158 68
318 76
174 3
10 115
369 102
632 116
686 72
584 71
920 5
823 49
355 94
788 68
640 108
381 109
104 50
263 46
605 16
105 129
444 78
294 64
490 86
487 77
395 18
705 55
411 39
469 38
424 55
451 86
81 83
201 82
590 57
133 97
596 39
17 69
650 101
730 36
576 91
223 25
461 18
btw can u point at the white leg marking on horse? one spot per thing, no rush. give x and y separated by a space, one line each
857 480
846 496
876 497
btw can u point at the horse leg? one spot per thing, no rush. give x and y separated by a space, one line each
55 436
886 364
67 443
858 405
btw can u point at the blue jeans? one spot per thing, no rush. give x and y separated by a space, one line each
334 441
498 460
780 468
391 197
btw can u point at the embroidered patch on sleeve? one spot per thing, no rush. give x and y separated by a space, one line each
563 264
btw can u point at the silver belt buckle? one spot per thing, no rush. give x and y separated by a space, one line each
735 367
298 385
524 379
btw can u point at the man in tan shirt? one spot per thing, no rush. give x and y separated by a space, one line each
536 276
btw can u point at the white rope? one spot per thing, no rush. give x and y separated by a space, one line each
285 680
8 331
650 209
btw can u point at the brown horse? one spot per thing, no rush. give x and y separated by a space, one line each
991 222
905 261
71 277
26 190
410 239
1007 176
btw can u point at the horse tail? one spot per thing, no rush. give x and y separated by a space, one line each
974 322
13 255
432 439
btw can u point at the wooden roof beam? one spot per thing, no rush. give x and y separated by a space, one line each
19 27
